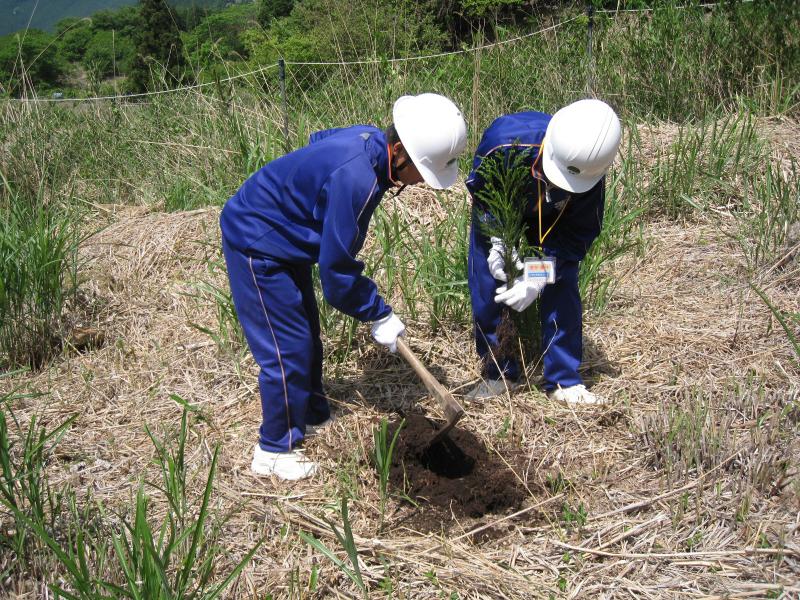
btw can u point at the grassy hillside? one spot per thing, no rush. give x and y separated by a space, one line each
129 401
16 14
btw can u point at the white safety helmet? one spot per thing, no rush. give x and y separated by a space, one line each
580 144
434 133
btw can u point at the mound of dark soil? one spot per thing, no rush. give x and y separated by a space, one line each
457 474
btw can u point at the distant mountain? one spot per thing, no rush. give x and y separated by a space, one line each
17 14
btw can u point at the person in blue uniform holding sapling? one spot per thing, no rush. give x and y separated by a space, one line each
568 155
311 206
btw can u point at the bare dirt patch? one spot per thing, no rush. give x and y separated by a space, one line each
456 477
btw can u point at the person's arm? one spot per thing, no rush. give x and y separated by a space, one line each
347 193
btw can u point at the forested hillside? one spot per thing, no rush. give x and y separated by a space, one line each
83 56
152 43
16 15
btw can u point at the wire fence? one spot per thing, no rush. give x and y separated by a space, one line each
192 146
300 97
556 63
282 63
590 12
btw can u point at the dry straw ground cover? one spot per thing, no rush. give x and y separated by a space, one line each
686 485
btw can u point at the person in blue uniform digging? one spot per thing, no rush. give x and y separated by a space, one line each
311 206
568 155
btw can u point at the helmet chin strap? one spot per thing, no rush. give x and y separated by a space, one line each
397 193
394 168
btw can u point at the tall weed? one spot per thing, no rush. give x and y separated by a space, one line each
383 449
38 276
769 218
621 231
705 165
175 558
25 492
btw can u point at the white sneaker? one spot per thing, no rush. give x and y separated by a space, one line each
286 465
489 388
319 427
575 395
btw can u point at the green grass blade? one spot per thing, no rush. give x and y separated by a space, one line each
72 568
350 545
217 591
123 552
188 564
322 548
780 317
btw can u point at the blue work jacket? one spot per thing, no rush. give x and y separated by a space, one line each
572 220
314 205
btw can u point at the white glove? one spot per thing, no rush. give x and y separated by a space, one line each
522 294
496 262
387 330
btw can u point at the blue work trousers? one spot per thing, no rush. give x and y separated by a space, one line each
560 311
278 312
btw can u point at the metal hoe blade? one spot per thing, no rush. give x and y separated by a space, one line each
452 409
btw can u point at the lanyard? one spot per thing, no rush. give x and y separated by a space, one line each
563 208
539 190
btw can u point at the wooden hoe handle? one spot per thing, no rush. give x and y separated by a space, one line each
451 408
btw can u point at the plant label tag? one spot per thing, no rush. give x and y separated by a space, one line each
541 268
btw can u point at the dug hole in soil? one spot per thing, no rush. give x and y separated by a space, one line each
457 476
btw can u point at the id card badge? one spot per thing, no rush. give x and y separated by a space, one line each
541 268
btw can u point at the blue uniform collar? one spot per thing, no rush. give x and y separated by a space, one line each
378 152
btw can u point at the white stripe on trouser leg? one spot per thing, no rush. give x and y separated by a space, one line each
277 349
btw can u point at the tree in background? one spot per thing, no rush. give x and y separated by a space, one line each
189 17
102 45
219 36
107 55
462 19
29 59
74 35
273 9
335 30
159 49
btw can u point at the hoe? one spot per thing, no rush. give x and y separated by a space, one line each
452 410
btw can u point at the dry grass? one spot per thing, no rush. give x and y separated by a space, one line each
669 511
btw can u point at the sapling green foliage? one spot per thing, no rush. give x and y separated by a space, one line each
505 177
